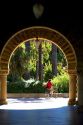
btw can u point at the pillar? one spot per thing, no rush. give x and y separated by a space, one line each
80 91
72 87
3 89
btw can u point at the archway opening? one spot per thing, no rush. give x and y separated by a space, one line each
33 63
40 32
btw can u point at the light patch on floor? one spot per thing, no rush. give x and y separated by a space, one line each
34 103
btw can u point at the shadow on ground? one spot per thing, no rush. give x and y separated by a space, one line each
58 115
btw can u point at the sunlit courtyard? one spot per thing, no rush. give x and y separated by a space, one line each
35 103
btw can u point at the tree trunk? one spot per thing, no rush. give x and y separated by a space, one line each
40 62
37 69
54 60
27 49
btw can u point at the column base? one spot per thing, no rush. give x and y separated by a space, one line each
3 101
71 102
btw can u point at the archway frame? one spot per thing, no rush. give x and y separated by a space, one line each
40 32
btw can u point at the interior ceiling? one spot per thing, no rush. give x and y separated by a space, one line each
64 17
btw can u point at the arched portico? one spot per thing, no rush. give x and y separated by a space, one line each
41 32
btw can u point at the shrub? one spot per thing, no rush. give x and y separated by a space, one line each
29 86
61 83
15 87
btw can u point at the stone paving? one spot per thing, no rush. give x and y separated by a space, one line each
39 111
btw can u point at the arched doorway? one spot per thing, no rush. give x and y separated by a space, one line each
40 32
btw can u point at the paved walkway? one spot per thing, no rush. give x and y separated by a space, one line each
39 111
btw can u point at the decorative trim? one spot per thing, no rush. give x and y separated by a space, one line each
4 72
72 72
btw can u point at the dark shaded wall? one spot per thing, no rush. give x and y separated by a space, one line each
63 17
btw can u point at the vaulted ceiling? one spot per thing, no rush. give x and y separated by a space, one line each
64 17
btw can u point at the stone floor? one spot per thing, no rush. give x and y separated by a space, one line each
39 111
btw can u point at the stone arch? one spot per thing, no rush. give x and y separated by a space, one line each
41 32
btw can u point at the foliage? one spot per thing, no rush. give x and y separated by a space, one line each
29 86
47 71
15 87
61 57
60 69
61 83
23 65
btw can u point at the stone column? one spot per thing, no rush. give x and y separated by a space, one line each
72 87
3 89
80 90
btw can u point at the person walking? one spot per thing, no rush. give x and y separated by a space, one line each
49 88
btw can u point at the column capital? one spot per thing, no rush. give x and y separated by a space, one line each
72 71
4 72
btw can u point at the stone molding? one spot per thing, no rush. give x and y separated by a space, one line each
72 72
4 72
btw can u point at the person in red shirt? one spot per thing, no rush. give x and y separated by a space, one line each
49 87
